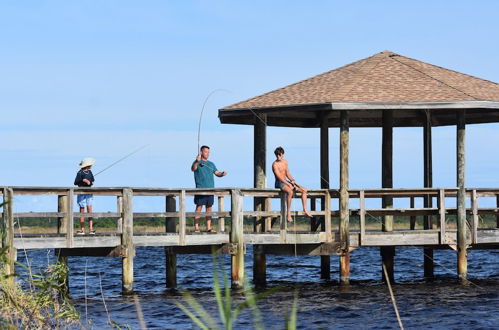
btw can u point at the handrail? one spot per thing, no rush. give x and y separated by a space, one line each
66 213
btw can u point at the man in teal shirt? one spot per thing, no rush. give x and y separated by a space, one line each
203 177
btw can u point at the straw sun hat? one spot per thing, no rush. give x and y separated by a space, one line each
86 162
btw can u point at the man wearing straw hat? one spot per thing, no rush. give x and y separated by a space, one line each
85 178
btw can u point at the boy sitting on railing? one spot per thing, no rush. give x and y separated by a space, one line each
285 181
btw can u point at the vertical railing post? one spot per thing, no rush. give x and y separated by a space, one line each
441 212
268 220
284 218
237 239
119 209
127 241
8 231
497 215
70 219
362 216
413 217
474 221
62 207
171 257
182 225
221 220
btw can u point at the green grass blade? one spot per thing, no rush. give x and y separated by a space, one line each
193 317
203 314
218 291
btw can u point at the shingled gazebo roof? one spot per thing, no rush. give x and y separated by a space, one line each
383 81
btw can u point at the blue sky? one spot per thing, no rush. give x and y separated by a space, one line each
102 78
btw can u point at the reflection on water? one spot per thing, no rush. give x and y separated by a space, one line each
442 303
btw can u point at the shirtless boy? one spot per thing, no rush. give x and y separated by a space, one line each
285 181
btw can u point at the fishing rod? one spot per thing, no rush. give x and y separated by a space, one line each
121 159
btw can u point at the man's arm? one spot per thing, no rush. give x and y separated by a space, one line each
194 165
289 176
220 174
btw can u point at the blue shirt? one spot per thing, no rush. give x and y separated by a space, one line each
203 175
84 175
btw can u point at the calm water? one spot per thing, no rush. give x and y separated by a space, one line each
95 285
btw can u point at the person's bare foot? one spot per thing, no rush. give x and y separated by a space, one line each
307 214
290 219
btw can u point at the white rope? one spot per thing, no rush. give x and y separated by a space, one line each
394 302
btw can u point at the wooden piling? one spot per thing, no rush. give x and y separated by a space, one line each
387 252
259 181
344 201
237 240
462 244
324 179
127 242
170 256
428 183
62 222
8 232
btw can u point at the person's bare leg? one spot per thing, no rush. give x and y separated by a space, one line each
304 200
199 208
82 219
208 218
90 220
289 196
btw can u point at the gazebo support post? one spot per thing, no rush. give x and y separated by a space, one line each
428 183
462 262
344 201
260 181
171 257
387 252
324 146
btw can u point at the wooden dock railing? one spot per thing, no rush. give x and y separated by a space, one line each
319 237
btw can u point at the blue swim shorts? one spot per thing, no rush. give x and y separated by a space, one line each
85 200
204 200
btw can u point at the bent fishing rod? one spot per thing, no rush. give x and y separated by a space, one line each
121 159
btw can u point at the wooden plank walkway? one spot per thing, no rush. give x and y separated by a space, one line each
268 233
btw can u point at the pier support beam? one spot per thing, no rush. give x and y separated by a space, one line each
237 240
324 146
259 181
387 252
344 201
127 242
62 222
428 183
462 245
8 231
170 256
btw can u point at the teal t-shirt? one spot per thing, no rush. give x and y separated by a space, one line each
203 175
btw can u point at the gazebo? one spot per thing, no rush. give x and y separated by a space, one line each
385 90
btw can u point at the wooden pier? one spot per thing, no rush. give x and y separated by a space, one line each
238 226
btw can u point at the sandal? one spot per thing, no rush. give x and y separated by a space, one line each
211 231
92 232
80 232
197 231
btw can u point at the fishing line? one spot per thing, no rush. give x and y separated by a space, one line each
202 110
123 158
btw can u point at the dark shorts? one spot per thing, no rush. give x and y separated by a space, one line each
204 200
279 184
